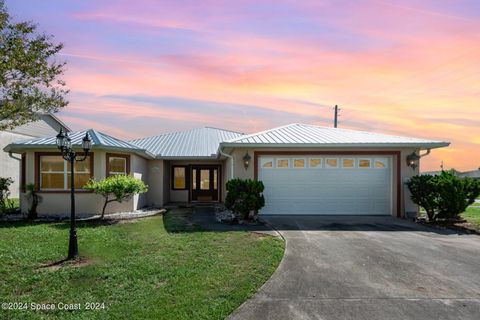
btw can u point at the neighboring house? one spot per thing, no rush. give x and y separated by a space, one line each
306 169
47 125
475 174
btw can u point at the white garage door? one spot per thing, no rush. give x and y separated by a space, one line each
330 185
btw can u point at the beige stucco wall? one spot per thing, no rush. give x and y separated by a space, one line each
10 167
406 172
58 203
155 180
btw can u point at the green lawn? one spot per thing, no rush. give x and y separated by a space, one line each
472 215
155 268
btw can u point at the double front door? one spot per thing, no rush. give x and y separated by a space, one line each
205 183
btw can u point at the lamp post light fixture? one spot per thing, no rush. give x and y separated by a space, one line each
246 160
64 143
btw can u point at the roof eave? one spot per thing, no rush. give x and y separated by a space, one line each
421 145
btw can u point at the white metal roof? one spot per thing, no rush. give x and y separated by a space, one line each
196 143
99 140
303 135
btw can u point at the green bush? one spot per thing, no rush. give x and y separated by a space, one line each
425 193
117 188
445 196
33 200
455 194
244 197
7 205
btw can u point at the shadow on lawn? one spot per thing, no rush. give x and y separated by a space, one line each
65 224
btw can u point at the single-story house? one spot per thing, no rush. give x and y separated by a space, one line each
46 125
306 169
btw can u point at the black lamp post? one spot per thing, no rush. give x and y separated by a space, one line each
65 145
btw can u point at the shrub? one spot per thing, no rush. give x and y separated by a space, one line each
117 188
6 205
455 194
244 197
33 199
424 193
444 196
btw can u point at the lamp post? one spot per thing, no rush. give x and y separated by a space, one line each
64 143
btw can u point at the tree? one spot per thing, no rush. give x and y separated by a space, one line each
244 197
117 188
29 72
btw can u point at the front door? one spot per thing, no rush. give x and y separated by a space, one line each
205 183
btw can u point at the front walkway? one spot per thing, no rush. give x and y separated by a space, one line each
369 268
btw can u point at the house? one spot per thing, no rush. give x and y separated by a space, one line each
47 125
306 169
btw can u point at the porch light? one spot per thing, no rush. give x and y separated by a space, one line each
412 160
246 160
61 139
86 143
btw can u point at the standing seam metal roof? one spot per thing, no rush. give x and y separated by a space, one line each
202 142
298 133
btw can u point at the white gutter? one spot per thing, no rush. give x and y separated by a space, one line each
231 158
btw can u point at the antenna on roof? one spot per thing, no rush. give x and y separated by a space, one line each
335 118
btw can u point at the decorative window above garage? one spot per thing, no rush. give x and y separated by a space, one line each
315 162
348 163
299 163
381 163
331 163
364 163
283 163
266 162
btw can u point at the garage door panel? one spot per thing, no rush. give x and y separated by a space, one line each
327 190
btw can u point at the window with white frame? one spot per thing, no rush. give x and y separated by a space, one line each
283 163
315 162
54 172
266 163
348 163
381 163
299 163
331 163
364 163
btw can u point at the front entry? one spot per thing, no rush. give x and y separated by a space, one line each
205 183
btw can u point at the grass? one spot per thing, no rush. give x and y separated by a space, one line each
155 268
472 215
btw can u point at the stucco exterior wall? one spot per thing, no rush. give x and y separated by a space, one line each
155 181
406 172
10 167
57 204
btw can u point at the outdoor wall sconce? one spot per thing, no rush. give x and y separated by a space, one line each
246 160
414 158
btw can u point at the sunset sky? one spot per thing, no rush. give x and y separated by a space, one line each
145 67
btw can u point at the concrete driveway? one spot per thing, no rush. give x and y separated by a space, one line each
369 268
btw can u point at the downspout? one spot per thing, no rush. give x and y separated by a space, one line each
10 154
231 162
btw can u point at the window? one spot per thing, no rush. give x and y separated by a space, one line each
364 163
204 179
179 178
282 163
315 162
331 163
348 163
267 162
299 163
381 163
54 172
118 164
